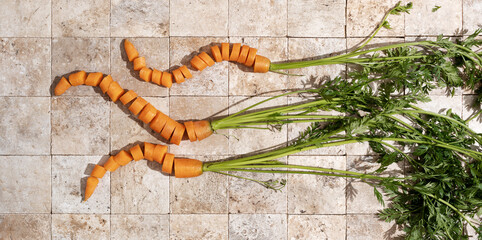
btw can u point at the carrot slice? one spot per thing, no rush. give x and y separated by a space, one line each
128 97
130 50
243 54
216 53
261 64
137 105
111 165
158 122
115 91
123 158
198 63
178 76
190 131
90 186
104 85
148 151
251 56
186 168
139 63
235 52
206 58
93 79
77 78
156 76
168 162
159 153
145 74
225 51
98 171
136 152
202 129
168 129
166 79
187 74
62 86
148 113
178 133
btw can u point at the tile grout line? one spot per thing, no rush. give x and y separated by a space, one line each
110 120
346 155
51 112
169 114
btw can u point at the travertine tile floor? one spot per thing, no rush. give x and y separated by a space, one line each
49 144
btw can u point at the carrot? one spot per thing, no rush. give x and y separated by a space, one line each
235 52
111 165
104 85
93 79
136 152
166 79
62 86
251 56
168 162
90 186
148 113
216 53
159 153
158 122
168 129
130 50
128 97
190 131
137 105
187 74
178 133
206 58
198 63
178 76
243 54
98 171
261 64
123 158
202 129
77 78
225 51
115 91
139 63
186 168
148 151
156 76
145 74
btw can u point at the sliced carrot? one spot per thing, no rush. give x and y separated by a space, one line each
243 54
105 83
261 64
190 130
156 76
216 53
123 158
235 52
148 151
206 58
168 129
159 153
93 79
178 134
136 152
62 86
166 79
130 50
168 162
198 63
225 51
90 186
111 165
158 122
115 91
128 97
202 129
137 105
251 56
77 78
98 171
139 63
186 168
148 113
145 74
178 76
187 74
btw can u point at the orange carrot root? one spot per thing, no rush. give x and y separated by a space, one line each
187 74
166 79
148 113
261 64
178 133
186 168
139 63
167 165
159 153
158 122
168 129
130 50
137 105
190 131
243 54
202 129
225 51
198 63
105 83
235 52
145 74
178 76
115 91
92 183
136 152
93 79
62 86
128 97
111 165
123 158
148 151
156 76
98 171
77 78
216 54
206 58
251 56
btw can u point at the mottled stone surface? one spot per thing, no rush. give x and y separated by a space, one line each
139 227
446 20
316 18
199 18
257 226
440 104
80 226
468 111
471 18
25 18
363 17
363 227
22 226
257 18
198 226
315 227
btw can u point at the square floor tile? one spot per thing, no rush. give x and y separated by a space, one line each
257 226
194 226
314 227
244 18
199 18
139 227
25 18
422 19
80 226
362 227
316 18
471 18
21 226
363 17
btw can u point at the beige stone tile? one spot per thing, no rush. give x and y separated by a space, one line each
198 226
25 18
139 227
446 20
359 149
471 18
156 52
25 191
80 226
244 18
199 18
312 18
440 104
138 188
26 125
200 108
75 54
310 194
69 176
363 17
212 81
314 227
243 81
469 109
21 226
80 18
364 227
127 130
139 18
257 226
26 66
80 125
